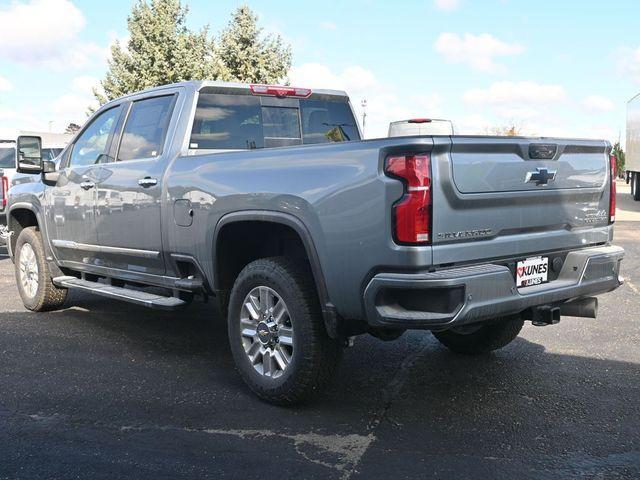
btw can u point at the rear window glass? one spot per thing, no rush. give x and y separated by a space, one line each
279 122
225 121
325 121
7 157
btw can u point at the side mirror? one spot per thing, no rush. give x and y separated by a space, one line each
29 154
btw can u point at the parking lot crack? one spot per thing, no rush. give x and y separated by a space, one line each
338 452
632 286
391 392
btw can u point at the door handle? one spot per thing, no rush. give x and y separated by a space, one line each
147 182
87 185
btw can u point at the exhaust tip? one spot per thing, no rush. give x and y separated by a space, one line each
583 307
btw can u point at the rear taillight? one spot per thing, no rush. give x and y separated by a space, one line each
613 189
5 188
280 91
412 213
420 120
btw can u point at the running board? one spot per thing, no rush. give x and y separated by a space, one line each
145 299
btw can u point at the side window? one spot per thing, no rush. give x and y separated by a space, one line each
64 158
7 157
94 141
146 128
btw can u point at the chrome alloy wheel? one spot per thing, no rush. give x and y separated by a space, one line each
266 331
28 266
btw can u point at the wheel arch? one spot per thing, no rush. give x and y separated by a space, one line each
279 220
20 216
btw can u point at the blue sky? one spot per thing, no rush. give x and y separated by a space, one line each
551 68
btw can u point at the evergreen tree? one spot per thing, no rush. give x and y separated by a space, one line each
620 157
72 128
249 56
160 50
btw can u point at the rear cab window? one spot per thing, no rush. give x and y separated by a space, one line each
240 120
326 121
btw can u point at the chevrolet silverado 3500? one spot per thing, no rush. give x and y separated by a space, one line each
267 199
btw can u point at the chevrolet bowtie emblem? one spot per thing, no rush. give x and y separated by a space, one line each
542 176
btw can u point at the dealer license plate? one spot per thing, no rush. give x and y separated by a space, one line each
532 271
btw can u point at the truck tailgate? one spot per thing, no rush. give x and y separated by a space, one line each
513 197
502 165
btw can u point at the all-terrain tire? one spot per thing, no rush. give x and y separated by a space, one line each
315 355
46 296
484 339
635 186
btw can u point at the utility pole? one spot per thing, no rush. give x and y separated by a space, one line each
363 104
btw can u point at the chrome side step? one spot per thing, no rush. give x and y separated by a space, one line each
145 299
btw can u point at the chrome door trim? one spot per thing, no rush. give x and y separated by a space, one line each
134 252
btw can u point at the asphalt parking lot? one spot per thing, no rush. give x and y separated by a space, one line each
108 390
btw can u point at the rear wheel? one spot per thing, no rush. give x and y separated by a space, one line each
277 334
36 289
635 186
479 339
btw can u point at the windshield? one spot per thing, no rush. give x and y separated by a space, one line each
7 157
227 121
50 153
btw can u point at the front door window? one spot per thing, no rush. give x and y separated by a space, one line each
93 145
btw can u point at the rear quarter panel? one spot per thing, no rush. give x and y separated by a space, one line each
336 190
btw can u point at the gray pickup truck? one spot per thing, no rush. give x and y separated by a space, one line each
266 199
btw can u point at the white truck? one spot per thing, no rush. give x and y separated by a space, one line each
421 126
632 161
7 169
52 145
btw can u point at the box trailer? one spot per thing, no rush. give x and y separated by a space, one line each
632 163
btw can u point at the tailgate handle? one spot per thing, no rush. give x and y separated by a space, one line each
542 151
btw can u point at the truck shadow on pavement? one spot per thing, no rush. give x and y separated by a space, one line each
101 378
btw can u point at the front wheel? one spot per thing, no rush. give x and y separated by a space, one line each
480 339
277 334
36 289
